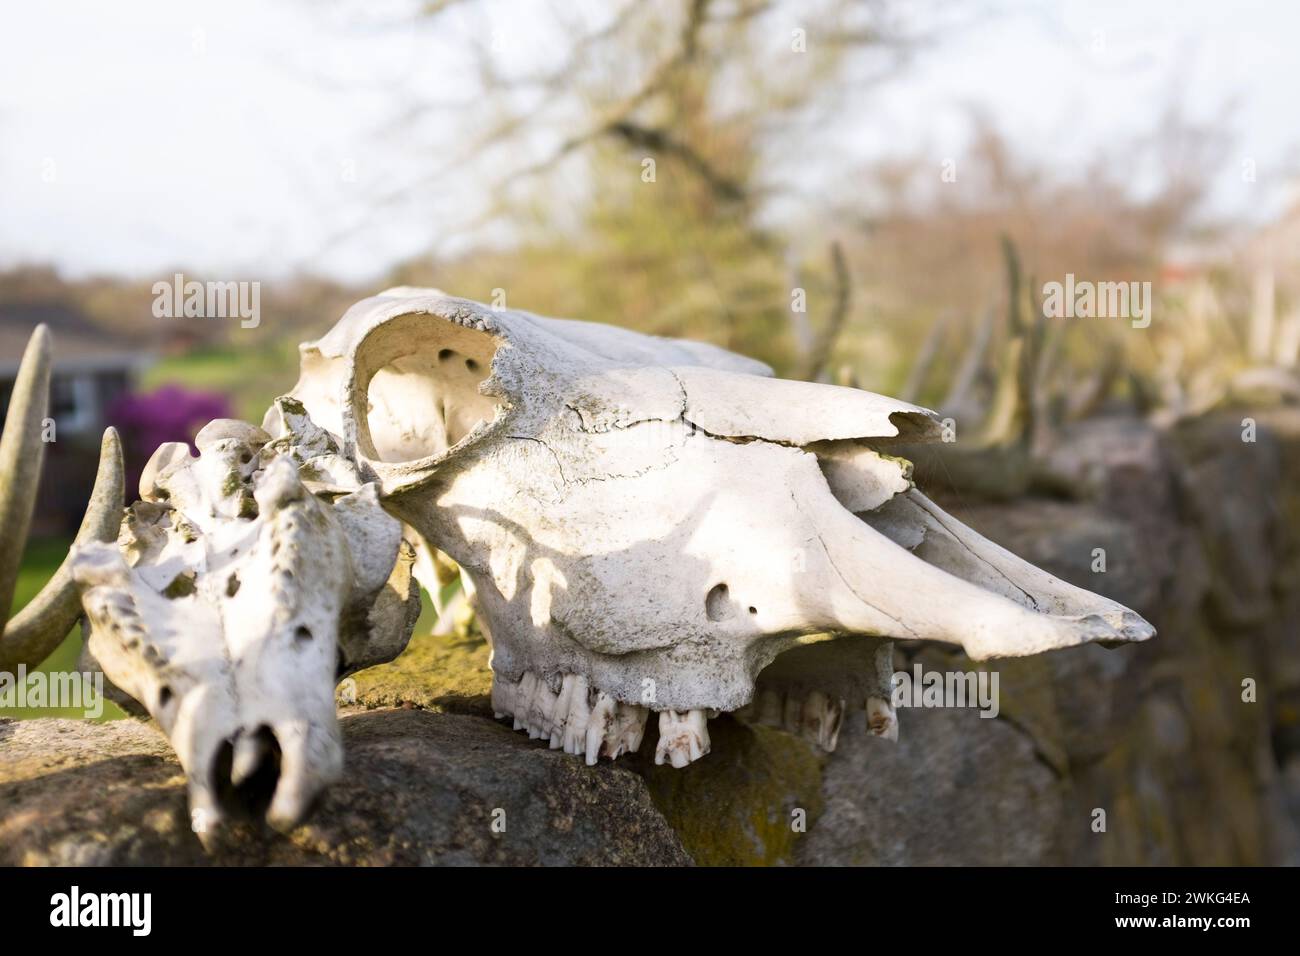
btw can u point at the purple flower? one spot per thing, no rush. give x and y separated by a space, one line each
169 413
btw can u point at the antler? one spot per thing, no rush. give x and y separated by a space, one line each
37 630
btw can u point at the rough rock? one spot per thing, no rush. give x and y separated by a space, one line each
420 788
957 789
748 803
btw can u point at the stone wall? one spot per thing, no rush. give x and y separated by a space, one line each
1201 533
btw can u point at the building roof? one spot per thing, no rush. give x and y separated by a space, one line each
79 344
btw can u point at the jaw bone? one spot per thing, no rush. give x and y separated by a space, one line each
639 512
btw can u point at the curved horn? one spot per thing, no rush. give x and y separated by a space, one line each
45 621
21 455
37 630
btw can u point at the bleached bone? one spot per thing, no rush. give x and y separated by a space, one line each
683 738
660 519
243 585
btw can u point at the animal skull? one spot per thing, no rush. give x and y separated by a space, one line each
648 523
241 587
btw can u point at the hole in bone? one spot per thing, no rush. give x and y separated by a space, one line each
717 605
302 635
164 696
251 797
232 585
753 610
419 403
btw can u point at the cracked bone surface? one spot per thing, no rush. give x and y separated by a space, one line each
650 523
242 586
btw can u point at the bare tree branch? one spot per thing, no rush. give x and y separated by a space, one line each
813 364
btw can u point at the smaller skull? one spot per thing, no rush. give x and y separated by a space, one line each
242 586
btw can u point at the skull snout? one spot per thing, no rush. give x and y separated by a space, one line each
265 772
978 595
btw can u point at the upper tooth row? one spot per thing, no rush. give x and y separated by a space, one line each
817 717
578 718
586 721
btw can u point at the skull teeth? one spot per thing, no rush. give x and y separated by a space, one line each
815 716
683 737
576 718
882 719
820 719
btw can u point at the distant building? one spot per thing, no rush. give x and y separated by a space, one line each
91 370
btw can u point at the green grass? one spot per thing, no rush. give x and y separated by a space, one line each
251 377
40 561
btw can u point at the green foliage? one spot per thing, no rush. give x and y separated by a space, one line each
252 377
40 561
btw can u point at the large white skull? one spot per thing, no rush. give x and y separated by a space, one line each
243 585
648 522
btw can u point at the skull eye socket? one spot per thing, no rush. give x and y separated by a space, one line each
417 382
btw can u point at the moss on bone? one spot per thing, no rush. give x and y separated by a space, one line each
232 484
445 673
181 586
291 405
737 806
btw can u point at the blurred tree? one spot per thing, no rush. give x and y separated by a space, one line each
652 206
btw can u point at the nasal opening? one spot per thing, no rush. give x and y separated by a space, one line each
245 773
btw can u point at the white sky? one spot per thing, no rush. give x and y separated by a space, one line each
137 137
